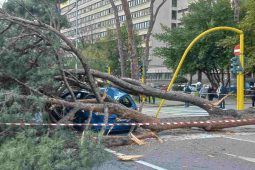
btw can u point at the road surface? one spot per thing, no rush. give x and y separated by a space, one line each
194 148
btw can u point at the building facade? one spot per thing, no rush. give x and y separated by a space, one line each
95 17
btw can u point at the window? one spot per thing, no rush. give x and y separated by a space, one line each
174 15
174 3
173 25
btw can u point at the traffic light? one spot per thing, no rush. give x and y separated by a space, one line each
236 66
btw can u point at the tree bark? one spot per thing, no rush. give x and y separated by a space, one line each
131 41
119 39
154 123
199 76
153 17
175 96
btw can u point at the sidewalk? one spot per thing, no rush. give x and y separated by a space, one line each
230 101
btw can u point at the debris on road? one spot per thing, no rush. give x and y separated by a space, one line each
136 140
129 157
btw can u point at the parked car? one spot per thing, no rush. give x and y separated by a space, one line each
82 116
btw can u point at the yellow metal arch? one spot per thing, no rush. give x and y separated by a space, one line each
240 76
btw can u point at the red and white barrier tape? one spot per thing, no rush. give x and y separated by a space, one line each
227 121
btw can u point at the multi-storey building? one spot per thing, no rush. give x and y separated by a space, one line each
95 17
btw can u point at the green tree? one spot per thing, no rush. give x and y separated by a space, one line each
206 56
43 10
61 150
248 25
28 57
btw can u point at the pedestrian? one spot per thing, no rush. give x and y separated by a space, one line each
203 92
253 96
153 99
210 93
187 90
149 97
199 86
221 91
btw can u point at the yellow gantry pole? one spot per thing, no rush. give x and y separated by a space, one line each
240 77
109 73
240 98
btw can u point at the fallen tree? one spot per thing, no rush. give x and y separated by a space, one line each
86 77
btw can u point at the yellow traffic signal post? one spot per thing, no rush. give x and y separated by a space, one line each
240 76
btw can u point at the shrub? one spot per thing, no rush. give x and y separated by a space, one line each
35 149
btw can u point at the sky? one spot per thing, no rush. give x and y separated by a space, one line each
1 2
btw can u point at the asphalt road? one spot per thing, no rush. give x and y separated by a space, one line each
231 148
181 111
228 149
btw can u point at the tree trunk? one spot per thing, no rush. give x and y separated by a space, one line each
131 41
190 78
153 16
119 39
236 6
199 76
228 77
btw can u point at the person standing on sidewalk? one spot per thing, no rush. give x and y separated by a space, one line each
210 93
221 92
187 90
203 92
253 96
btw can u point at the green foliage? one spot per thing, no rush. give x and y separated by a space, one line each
248 25
30 59
45 11
206 55
62 150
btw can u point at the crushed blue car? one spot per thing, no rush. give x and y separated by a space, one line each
82 116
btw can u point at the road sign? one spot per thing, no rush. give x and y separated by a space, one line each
237 50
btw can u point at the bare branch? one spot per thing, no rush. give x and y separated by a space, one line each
70 9
63 75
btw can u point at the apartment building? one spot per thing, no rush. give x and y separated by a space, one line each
95 17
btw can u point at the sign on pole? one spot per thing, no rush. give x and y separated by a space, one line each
237 50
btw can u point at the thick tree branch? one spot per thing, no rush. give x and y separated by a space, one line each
176 96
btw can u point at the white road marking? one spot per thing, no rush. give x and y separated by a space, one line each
244 140
249 159
150 165
139 161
